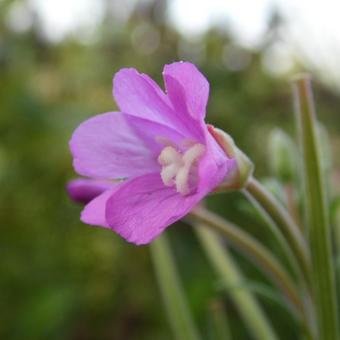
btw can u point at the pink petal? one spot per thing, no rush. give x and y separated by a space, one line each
143 207
154 134
105 146
83 190
214 166
157 89
94 212
115 145
138 95
187 88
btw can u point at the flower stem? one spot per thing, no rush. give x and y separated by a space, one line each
172 292
316 212
256 252
251 312
284 221
220 322
291 204
282 241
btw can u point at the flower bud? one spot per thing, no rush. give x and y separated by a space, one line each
238 179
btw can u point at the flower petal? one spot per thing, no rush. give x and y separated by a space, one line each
187 89
94 212
105 146
157 89
116 145
138 95
154 135
215 166
83 190
143 207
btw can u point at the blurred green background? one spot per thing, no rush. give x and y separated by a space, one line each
60 279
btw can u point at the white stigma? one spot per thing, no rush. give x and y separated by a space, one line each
180 169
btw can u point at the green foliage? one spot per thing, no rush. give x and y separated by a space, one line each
60 279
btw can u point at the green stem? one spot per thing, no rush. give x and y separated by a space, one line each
172 292
282 241
284 221
337 242
256 252
220 322
245 302
316 212
292 207
337 230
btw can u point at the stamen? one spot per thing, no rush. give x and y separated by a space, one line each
182 180
192 154
169 155
169 173
180 169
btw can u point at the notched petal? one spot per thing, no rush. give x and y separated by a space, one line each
187 88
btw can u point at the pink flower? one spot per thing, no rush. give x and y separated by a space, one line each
160 148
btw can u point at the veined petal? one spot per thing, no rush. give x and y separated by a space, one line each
138 95
143 207
94 212
187 89
153 134
157 89
214 166
116 145
106 146
83 190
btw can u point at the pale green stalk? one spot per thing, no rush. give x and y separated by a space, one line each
265 260
284 221
297 245
219 319
248 307
337 231
175 301
316 213
337 242
282 241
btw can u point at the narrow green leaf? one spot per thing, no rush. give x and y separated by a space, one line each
174 298
316 212
251 312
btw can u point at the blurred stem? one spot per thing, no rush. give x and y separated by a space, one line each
337 230
252 314
284 221
289 255
316 212
172 292
256 252
220 324
293 210
337 243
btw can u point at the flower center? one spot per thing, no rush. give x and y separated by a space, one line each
180 168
